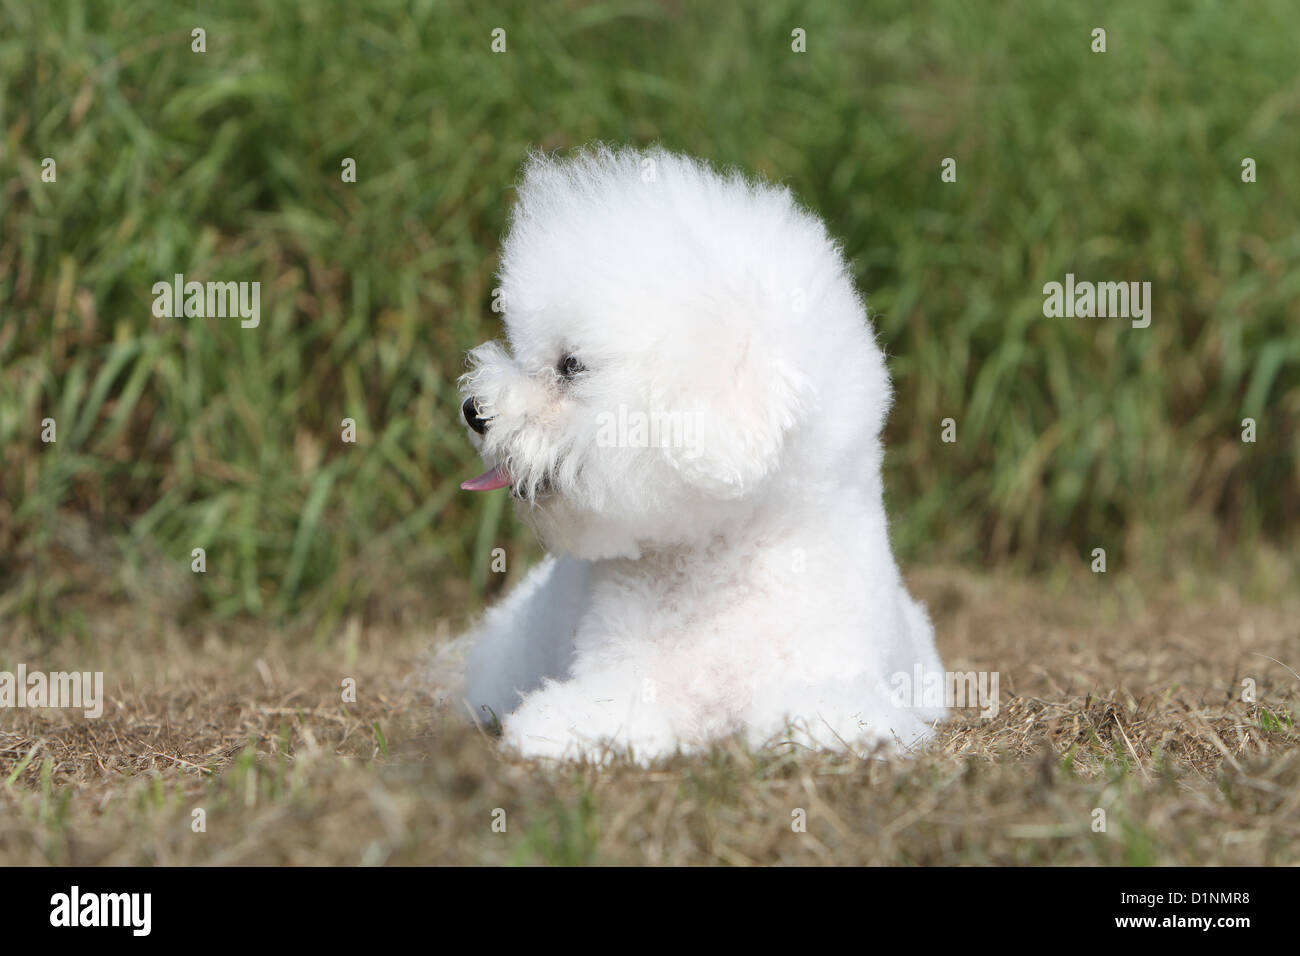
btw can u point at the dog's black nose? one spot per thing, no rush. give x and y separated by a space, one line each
472 419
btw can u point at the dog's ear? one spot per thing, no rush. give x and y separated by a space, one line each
733 432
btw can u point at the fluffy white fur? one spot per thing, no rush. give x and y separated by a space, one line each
740 581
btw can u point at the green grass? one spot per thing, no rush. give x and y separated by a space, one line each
1270 721
175 434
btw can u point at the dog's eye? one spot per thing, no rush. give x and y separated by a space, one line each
569 366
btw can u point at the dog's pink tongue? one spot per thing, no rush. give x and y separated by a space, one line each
489 480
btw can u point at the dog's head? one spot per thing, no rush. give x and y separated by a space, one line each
680 344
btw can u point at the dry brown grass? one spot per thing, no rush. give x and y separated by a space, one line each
1113 697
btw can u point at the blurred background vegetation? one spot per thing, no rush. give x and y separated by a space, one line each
182 433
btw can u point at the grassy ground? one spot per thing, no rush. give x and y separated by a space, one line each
1114 696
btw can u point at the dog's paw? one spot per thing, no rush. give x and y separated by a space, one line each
562 722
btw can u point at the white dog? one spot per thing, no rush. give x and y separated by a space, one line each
689 413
